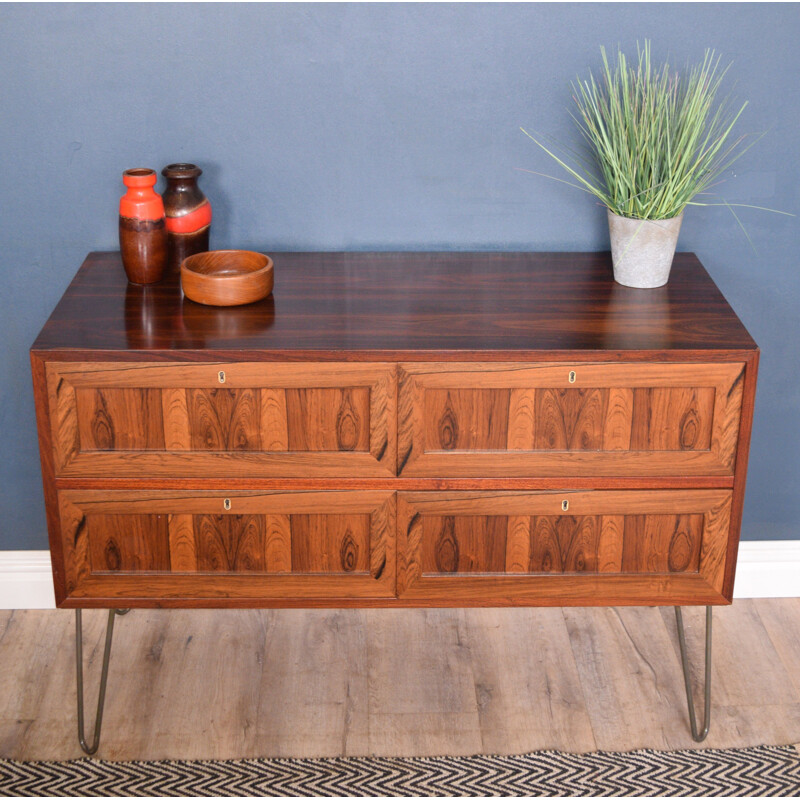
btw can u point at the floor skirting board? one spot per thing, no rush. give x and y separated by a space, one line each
765 569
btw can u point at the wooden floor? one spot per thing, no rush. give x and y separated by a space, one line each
229 684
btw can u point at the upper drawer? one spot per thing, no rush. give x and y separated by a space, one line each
234 420
568 420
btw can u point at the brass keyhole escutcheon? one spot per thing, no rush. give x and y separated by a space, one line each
221 376
226 504
565 505
572 376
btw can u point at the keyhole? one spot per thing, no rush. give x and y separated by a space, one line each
565 505
226 504
572 376
221 376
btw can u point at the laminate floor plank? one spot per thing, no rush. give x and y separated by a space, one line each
527 683
313 689
781 619
633 692
238 684
34 671
200 683
746 667
421 689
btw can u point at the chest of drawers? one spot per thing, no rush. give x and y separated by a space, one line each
396 429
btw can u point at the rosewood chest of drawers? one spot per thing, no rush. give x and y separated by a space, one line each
396 429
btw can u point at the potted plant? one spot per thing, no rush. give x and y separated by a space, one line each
658 139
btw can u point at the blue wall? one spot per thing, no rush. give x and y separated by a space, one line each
373 127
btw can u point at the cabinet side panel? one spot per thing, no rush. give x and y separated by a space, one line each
740 471
46 455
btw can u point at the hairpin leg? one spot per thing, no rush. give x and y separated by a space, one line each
103 679
698 737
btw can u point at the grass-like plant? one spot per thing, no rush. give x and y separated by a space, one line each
659 138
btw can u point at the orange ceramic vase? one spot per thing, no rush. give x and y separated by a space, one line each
188 214
142 227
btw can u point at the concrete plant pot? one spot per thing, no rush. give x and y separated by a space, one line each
642 249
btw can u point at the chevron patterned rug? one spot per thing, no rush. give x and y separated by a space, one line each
760 771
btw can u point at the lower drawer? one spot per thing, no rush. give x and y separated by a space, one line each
457 548
246 547
563 548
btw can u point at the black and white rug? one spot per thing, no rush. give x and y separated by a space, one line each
760 771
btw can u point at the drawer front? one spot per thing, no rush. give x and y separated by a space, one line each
568 420
211 545
563 548
227 420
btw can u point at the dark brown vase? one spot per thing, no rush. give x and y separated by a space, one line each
188 213
142 229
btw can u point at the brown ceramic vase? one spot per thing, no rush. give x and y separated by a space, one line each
188 213
142 228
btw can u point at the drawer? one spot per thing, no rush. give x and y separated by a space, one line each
568 420
563 548
252 547
225 420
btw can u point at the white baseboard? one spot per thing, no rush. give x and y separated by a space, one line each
25 579
768 569
765 569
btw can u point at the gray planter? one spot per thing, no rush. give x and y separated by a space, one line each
642 249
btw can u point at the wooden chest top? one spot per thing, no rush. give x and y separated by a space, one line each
404 306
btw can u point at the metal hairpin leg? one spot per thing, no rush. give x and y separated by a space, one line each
698 737
103 679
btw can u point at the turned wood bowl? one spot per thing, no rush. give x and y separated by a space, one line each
227 277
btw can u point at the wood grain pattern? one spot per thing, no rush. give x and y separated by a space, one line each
383 538
459 544
128 543
612 535
120 419
74 544
226 277
320 420
518 544
427 682
179 420
569 419
274 420
127 590
662 542
619 419
64 415
521 419
266 545
716 541
330 543
305 418
48 453
383 419
672 419
462 306
466 419
231 543
565 544
618 422
278 543
451 542
223 419
182 543
175 411
748 380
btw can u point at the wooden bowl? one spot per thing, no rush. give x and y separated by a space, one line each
227 277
